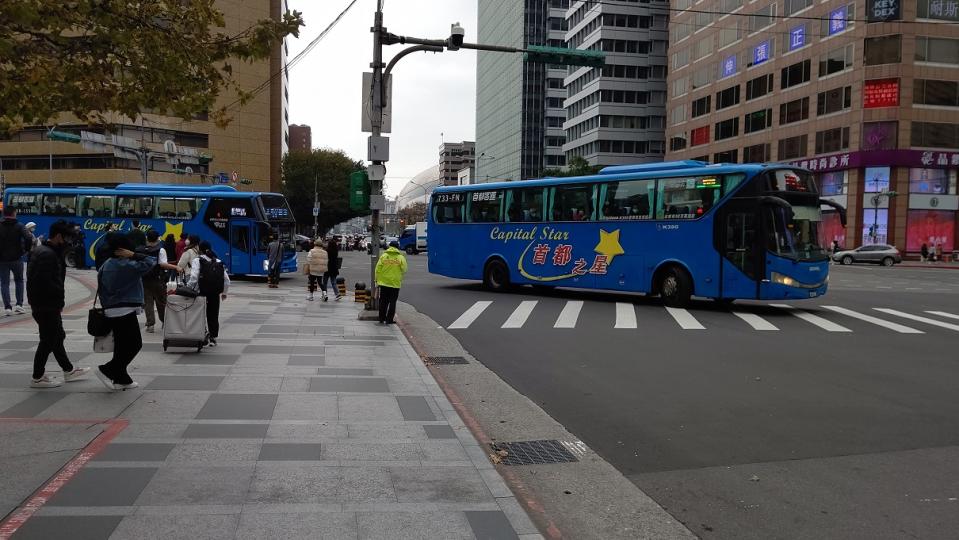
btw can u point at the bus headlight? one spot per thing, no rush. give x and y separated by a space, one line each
781 279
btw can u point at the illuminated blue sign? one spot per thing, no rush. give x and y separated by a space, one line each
761 53
729 67
797 37
837 21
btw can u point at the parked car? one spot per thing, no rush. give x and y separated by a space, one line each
303 243
883 254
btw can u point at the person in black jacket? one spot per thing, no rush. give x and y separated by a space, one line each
45 292
14 242
333 268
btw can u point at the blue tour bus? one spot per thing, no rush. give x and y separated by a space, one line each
675 229
237 224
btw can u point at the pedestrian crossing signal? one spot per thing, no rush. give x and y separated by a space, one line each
359 191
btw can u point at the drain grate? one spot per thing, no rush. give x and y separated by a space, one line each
444 360
532 453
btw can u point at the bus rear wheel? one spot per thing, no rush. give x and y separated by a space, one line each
496 275
675 287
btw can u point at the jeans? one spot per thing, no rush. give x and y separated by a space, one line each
315 281
388 297
17 268
330 277
154 293
126 344
51 341
213 315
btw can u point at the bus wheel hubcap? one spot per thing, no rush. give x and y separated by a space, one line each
669 286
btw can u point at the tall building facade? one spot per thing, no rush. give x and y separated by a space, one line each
867 103
515 139
455 157
252 145
617 114
301 138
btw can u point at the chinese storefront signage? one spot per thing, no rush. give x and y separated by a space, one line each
837 21
761 53
880 93
886 10
880 158
797 37
729 67
947 10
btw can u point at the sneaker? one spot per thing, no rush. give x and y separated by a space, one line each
19 309
7 312
212 342
325 298
339 297
44 382
130 386
107 381
310 298
77 373
149 329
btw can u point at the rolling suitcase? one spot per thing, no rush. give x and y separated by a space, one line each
184 322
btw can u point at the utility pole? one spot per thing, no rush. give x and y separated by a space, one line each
316 207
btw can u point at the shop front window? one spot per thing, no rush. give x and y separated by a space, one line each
833 183
930 227
875 225
933 181
877 179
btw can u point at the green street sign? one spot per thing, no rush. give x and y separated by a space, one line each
359 191
560 55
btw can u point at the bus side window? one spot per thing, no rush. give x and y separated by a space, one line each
176 208
485 206
59 205
629 199
447 212
25 203
135 207
96 205
525 205
572 203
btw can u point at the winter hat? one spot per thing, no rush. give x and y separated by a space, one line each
31 225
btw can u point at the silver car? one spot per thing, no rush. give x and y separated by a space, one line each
883 254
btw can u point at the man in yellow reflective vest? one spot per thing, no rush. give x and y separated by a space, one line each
389 278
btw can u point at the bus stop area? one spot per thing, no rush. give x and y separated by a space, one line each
303 423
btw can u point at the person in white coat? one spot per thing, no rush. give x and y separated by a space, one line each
317 265
209 277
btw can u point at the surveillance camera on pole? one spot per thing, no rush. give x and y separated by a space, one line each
455 41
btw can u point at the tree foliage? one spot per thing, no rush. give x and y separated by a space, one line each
413 213
94 57
330 169
576 166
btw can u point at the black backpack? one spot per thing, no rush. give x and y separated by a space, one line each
211 278
155 273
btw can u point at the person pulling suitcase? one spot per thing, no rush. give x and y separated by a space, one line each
209 277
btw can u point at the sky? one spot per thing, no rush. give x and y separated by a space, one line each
434 94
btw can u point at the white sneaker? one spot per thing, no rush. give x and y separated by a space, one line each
77 373
339 297
7 312
324 297
130 386
105 380
19 310
310 298
44 382
149 329
212 342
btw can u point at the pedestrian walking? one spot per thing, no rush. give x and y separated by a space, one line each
46 273
209 277
121 294
275 257
103 251
15 240
389 278
181 245
333 269
317 266
191 252
169 245
924 252
154 281
79 248
136 235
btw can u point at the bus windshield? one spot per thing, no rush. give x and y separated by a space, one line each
794 234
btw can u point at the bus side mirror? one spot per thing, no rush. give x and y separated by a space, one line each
838 207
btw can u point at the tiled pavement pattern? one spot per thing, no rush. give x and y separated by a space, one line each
303 423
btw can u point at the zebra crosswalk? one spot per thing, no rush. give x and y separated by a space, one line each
763 318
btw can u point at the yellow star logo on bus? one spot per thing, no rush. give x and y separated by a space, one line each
176 230
609 245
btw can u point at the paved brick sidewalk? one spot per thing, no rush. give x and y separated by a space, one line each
303 423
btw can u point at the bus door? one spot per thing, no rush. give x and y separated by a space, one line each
740 243
242 250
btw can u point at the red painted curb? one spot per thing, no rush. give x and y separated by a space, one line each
523 494
929 266
46 492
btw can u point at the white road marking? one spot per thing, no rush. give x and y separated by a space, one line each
926 320
569 315
520 314
625 315
757 322
896 327
944 314
825 324
685 319
470 315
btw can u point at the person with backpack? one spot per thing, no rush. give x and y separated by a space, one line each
209 277
15 241
191 251
154 281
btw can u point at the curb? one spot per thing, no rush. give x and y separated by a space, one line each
90 286
929 266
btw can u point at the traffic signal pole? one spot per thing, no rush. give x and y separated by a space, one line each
376 185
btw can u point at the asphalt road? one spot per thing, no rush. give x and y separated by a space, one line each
838 418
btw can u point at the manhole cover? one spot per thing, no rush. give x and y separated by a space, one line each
445 360
532 453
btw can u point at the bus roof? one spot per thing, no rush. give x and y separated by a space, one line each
625 172
144 189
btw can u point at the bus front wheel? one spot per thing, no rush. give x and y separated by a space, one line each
675 287
496 275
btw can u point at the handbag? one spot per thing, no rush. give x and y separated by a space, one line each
103 344
97 323
306 269
182 289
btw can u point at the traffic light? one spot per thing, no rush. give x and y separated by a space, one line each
359 191
560 55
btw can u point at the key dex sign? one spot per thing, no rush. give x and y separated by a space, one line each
877 93
883 10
